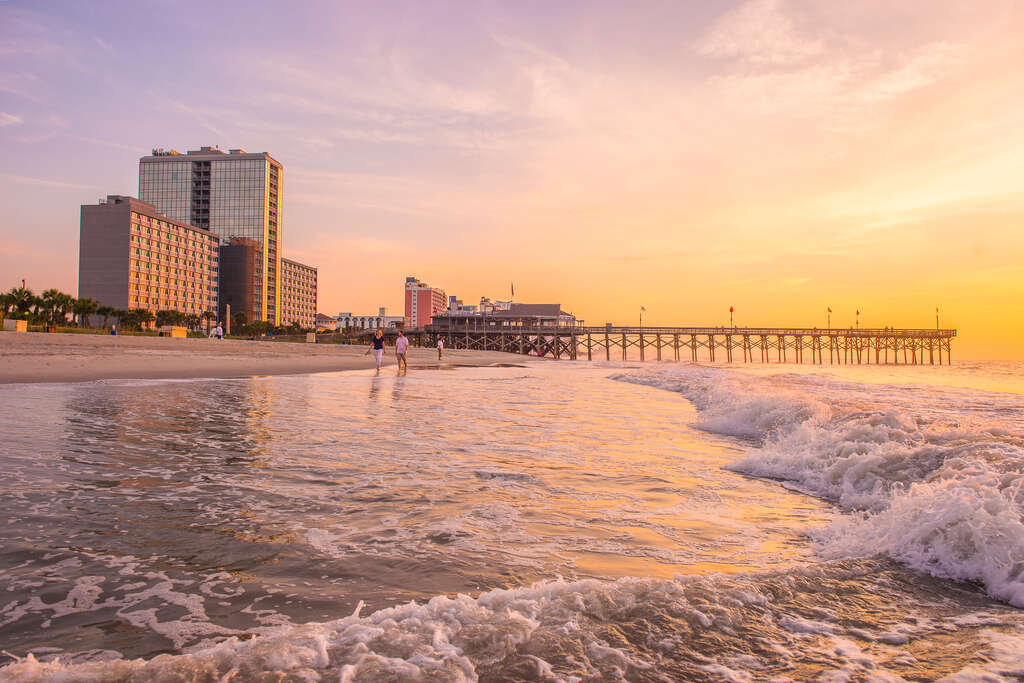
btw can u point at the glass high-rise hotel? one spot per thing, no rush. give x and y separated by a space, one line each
231 194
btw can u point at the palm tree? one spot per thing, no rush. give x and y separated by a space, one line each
22 300
142 316
209 317
6 303
62 305
124 318
48 305
192 321
106 312
83 308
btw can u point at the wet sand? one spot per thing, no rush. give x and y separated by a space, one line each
37 357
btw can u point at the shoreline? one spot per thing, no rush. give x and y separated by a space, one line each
38 358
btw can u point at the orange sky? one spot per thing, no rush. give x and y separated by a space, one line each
778 157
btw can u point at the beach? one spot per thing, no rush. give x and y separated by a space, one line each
37 357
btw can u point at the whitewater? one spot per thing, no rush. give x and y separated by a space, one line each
568 522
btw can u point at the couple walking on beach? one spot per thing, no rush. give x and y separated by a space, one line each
401 349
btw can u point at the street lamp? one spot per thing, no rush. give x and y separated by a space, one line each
936 318
642 309
828 315
858 318
730 317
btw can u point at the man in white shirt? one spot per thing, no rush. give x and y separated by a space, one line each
440 347
401 348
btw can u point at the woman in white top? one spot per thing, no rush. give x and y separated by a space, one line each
440 347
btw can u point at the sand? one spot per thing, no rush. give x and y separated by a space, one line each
37 357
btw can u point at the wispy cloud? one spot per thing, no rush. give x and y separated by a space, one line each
9 119
45 182
759 32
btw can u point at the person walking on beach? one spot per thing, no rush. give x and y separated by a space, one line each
219 331
377 347
440 347
401 348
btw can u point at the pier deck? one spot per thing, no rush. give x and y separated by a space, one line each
711 344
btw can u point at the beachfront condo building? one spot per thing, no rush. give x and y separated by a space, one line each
231 194
298 293
132 256
422 302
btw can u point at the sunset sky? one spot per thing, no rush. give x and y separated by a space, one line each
779 157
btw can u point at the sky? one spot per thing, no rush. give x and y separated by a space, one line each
778 157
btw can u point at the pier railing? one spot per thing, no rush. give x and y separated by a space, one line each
749 344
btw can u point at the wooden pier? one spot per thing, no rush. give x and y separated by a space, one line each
707 344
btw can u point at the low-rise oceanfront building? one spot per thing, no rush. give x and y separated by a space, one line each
515 317
131 256
298 293
370 322
325 323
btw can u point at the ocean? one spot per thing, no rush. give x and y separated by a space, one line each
555 522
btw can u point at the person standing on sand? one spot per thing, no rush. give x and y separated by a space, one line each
401 348
377 347
440 347
219 331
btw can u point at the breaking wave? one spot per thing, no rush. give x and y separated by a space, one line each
779 626
931 476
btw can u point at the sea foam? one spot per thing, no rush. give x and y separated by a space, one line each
932 477
770 626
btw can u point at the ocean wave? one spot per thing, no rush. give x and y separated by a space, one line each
783 625
932 477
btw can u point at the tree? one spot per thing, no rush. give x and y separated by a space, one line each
142 317
22 301
208 317
6 304
192 321
124 318
106 312
47 307
239 322
83 308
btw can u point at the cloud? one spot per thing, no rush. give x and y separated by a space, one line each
758 32
44 182
9 119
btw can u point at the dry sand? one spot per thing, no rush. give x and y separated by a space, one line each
37 357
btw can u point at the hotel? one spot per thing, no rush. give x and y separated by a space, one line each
233 195
422 302
132 256
298 293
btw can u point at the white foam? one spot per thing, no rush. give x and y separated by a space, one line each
934 477
558 630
